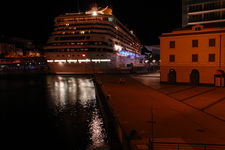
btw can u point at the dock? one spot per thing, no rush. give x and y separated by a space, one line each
145 112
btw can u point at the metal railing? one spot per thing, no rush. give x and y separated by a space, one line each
187 146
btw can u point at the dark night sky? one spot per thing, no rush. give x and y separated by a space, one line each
34 19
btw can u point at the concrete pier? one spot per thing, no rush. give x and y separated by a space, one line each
147 111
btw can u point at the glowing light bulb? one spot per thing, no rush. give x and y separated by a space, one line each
94 13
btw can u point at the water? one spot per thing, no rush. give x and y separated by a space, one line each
50 111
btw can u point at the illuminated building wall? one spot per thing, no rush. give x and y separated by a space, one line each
8 49
194 55
202 11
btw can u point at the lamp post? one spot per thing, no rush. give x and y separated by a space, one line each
153 65
152 141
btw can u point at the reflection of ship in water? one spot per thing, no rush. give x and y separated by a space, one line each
73 103
91 42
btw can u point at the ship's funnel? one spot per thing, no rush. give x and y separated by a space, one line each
107 11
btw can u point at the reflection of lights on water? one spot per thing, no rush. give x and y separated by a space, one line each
71 97
67 90
60 88
97 131
87 91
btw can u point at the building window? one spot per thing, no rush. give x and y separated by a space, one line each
172 44
198 28
172 58
194 18
211 57
194 43
194 57
212 42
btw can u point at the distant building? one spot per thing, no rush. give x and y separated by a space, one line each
18 47
153 48
7 50
19 52
33 53
194 55
26 43
152 54
202 11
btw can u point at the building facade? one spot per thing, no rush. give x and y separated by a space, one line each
202 11
194 55
152 57
9 50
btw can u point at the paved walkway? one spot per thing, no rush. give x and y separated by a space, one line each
181 113
210 100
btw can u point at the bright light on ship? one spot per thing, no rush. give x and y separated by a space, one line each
80 60
69 61
60 61
50 61
84 60
94 13
125 53
105 60
100 60
117 47
96 60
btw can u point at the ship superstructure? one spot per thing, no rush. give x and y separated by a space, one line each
91 42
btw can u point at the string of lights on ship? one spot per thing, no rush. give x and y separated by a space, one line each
65 24
105 21
92 43
80 49
123 38
73 30
70 24
82 43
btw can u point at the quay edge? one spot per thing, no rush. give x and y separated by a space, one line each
118 138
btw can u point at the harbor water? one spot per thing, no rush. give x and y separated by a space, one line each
50 111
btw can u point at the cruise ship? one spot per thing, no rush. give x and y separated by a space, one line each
91 42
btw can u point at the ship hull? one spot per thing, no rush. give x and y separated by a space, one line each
104 63
78 68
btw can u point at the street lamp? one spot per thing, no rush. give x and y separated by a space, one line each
153 64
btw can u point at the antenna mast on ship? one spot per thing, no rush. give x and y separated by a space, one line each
78 6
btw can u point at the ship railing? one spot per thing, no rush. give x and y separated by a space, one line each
71 14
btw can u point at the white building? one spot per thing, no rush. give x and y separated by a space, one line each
202 11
